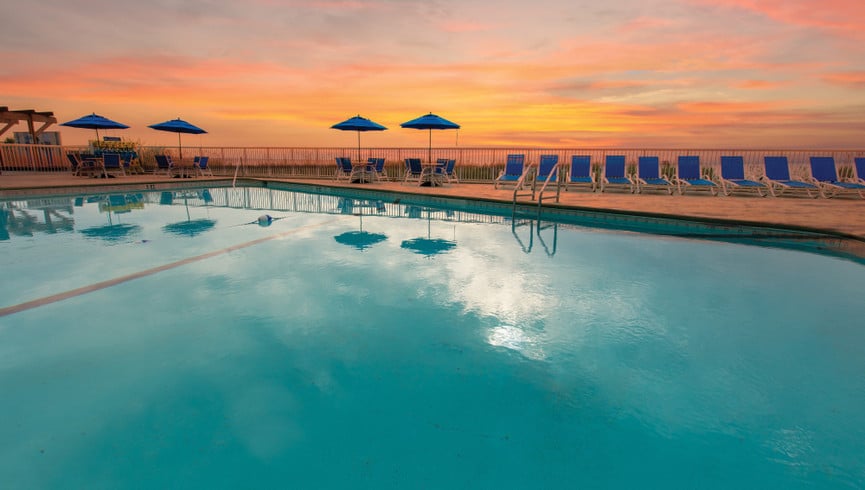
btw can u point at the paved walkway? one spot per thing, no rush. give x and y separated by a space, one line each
839 215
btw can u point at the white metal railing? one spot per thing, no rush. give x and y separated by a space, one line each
473 164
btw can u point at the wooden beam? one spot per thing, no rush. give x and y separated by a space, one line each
9 124
12 118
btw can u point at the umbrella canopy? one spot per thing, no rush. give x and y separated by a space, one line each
178 126
430 121
359 124
94 121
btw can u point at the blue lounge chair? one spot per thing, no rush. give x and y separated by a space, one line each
413 170
614 174
82 167
343 168
514 172
649 176
859 167
580 175
733 177
450 171
688 176
445 170
778 178
111 163
825 175
201 166
548 173
378 167
547 169
164 164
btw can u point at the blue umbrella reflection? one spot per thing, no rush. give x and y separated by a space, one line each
113 205
190 227
361 240
428 246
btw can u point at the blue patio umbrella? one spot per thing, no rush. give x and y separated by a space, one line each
94 121
359 124
178 126
430 121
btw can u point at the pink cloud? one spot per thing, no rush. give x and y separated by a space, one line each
457 27
849 79
844 17
758 84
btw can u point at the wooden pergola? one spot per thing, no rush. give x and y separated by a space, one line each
10 118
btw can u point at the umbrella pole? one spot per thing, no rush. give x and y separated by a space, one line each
179 147
358 146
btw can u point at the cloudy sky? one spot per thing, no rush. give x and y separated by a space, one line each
552 73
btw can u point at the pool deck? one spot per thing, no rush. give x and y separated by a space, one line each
845 215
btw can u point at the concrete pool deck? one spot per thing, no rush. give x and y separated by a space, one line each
839 215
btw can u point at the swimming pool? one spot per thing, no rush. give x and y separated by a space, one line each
166 339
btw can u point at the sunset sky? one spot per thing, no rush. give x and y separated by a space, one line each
551 73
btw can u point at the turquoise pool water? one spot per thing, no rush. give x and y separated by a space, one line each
444 348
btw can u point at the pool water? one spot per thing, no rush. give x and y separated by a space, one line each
451 349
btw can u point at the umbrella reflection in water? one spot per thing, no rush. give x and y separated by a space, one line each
190 227
428 246
361 240
114 204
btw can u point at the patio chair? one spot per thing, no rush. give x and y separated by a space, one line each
164 164
649 176
733 177
614 174
777 177
859 168
201 167
825 175
378 168
80 167
450 171
547 169
580 174
413 170
688 176
111 164
343 168
548 173
514 172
